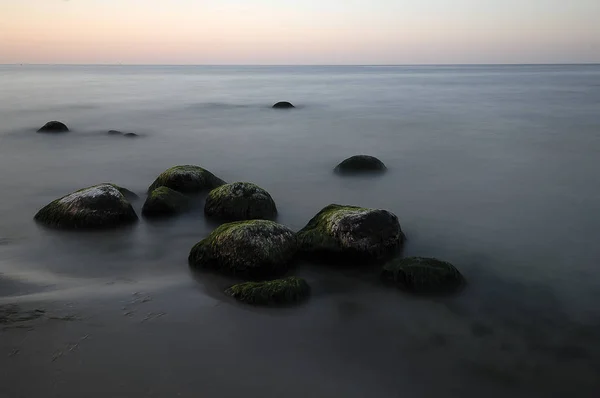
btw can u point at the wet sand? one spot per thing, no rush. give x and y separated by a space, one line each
354 338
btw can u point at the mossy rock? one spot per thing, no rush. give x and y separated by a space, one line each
240 201
254 249
360 163
349 233
187 179
276 292
422 275
53 127
283 105
164 201
99 206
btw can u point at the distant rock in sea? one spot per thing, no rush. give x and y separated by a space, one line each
360 163
117 132
283 105
53 127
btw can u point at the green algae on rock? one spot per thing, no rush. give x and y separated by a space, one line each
422 275
240 201
350 233
255 248
53 127
187 179
99 206
360 163
275 292
164 201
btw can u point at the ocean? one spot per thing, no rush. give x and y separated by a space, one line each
493 168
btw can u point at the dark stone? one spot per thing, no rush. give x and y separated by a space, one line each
360 163
114 132
53 127
252 249
99 206
275 292
351 234
130 135
421 275
283 105
187 179
164 201
240 201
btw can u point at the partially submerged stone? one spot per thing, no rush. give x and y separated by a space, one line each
99 206
240 201
53 127
255 248
276 292
283 105
114 132
164 201
349 233
422 275
187 179
360 163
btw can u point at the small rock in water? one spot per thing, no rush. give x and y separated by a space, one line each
347 234
283 105
253 249
164 201
187 179
422 275
275 292
130 135
360 163
240 201
99 206
53 127
114 132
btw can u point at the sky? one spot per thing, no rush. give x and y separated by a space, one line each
297 32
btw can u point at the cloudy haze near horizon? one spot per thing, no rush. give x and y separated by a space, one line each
299 32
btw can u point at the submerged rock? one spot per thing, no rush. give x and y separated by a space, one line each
283 105
349 233
99 206
117 132
240 201
53 127
360 163
130 135
423 275
187 179
276 292
164 201
114 132
256 248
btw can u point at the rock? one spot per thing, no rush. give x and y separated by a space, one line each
117 132
240 201
114 132
283 105
423 275
130 135
360 163
164 201
99 206
276 292
53 127
187 179
254 249
351 234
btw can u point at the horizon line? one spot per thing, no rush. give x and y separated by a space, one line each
310 65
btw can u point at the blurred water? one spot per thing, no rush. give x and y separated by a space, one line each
493 168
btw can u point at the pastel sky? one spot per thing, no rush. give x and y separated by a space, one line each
299 31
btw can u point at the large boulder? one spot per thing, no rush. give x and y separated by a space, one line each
53 127
164 201
283 105
187 179
276 292
349 233
360 163
422 275
240 201
254 249
99 206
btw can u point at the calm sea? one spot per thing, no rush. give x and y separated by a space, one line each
493 168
